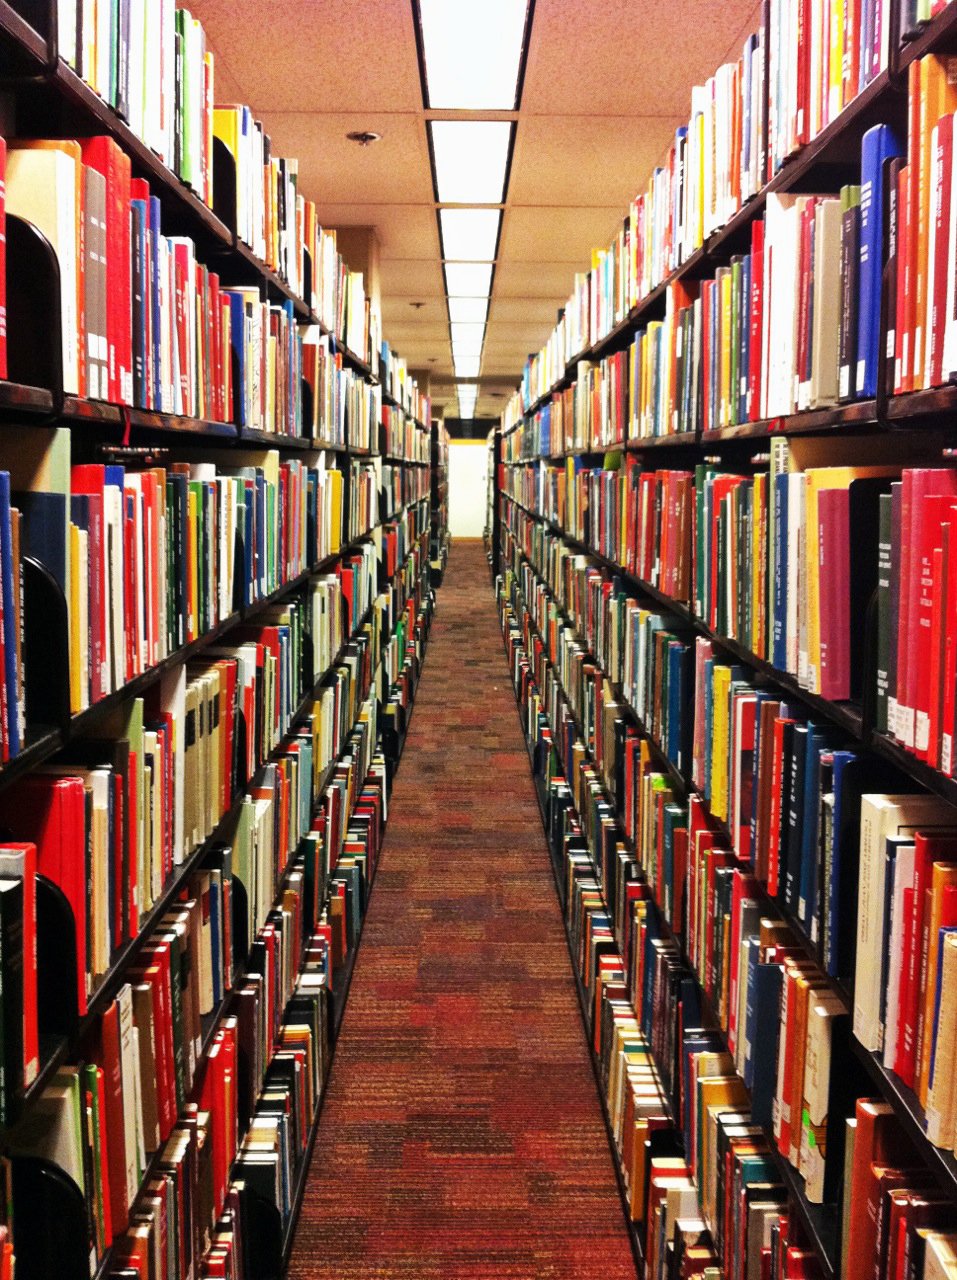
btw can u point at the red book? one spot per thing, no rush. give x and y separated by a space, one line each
106 1055
756 320
833 506
932 500
901 340
107 157
919 483
941 173
948 673
51 812
777 786
929 847
938 631
181 286
743 887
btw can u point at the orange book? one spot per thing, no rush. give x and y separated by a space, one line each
877 1132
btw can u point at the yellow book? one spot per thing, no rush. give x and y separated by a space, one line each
758 562
335 509
75 641
719 742
725 340
816 479
835 87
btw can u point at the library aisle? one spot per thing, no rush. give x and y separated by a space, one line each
461 1133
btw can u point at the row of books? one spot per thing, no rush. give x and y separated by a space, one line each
638 996
401 487
678 1201
402 436
790 801
398 383
365 490
151 64
145 323
160 1089
151 559
795 75
767 559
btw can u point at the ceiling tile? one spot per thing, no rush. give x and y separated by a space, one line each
628 57
531 311
316 55
334 170
543 235
586 160
405 231
411 277
551 281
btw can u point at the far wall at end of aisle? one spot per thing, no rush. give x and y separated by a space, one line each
468 476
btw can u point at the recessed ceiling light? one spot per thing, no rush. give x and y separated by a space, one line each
466 310
469 235
466 366
468 279
364 137
470 160
472 53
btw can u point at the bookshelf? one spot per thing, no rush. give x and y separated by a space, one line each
439 538
610 724
258 660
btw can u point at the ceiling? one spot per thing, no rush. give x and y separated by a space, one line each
606 85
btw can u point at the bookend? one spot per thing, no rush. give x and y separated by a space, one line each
52 1227
307 276
57 1012
308 407
240 907
224 184
34 344
262 1236
46 639
241 731
239 556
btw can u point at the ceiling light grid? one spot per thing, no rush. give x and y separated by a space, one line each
471 59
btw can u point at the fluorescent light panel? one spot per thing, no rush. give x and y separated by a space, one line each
468 279
470 160
466 366
472 53
468 310
469 235
468 338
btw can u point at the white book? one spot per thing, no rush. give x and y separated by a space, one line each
41 188
882 816
132 1124
950 319
903 880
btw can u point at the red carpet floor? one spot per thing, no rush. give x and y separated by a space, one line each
461 1134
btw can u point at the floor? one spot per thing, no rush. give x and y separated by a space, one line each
461 1134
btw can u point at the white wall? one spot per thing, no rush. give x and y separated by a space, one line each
468 468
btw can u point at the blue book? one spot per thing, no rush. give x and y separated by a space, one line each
237 336
878 145
10 583
138 276
810 842
764 999
780 616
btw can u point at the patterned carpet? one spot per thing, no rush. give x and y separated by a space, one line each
461 1134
